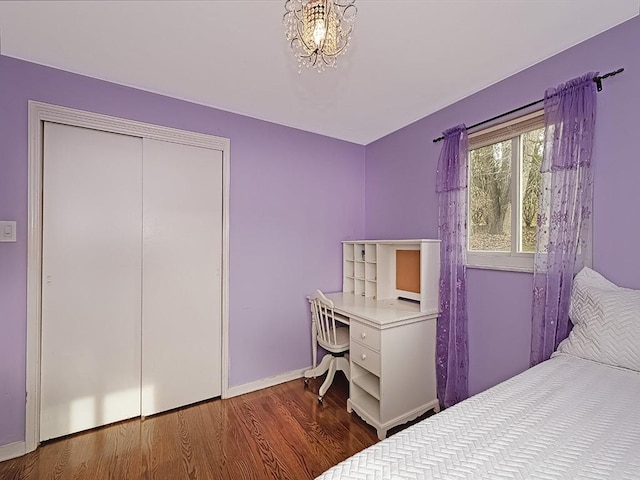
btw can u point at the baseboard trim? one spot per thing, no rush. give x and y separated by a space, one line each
264 383
12 450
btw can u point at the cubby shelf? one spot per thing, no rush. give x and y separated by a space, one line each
368 382
368 404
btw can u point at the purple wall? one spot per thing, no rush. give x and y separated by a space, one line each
401 200
284 235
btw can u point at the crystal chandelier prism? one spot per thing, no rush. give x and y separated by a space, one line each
319 31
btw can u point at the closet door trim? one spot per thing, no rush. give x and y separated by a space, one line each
38 114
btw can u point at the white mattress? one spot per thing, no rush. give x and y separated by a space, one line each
567 418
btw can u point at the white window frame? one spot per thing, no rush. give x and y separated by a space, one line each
513 260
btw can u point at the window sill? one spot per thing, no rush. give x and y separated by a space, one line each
501 262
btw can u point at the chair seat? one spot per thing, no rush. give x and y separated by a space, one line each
342 344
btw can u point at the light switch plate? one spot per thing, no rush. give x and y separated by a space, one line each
7 231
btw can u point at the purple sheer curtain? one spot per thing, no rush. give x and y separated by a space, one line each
452 350
564 210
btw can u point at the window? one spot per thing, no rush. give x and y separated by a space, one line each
504 188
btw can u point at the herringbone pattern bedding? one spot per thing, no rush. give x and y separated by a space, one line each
567 418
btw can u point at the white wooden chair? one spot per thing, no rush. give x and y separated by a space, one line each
333 338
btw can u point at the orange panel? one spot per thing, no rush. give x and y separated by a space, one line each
408 270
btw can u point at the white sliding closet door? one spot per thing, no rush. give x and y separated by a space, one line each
181 315
91 292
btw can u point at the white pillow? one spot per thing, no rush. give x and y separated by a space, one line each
606 322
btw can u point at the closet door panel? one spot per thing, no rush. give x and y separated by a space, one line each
182 255
91 292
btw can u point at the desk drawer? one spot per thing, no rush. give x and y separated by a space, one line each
365 334
365 357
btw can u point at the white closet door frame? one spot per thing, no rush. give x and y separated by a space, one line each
38 114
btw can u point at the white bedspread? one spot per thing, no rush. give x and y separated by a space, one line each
567 418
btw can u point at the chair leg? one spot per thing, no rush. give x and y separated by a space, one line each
320 369
327 381
342 363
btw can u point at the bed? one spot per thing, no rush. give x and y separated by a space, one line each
575 416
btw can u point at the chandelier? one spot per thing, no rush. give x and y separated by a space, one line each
319 30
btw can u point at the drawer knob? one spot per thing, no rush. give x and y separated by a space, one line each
363 335
363 356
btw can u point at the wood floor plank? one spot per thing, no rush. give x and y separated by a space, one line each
295 436
281 432
283 436
207 444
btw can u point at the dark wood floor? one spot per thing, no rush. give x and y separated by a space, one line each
277 433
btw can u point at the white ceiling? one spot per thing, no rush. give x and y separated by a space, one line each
409 58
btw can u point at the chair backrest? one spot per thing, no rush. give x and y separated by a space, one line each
324 317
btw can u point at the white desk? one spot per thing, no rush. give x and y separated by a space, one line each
378 313
392 359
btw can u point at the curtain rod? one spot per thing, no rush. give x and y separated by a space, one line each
597 79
